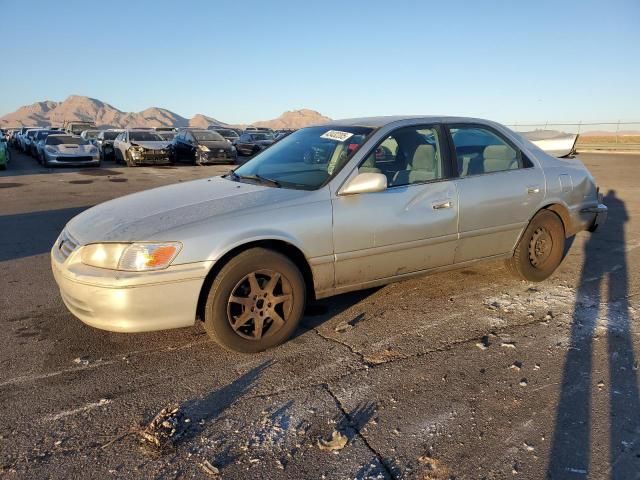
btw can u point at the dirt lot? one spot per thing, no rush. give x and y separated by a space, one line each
469 374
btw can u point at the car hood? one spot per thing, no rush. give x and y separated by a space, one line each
217 144
151 145
146 215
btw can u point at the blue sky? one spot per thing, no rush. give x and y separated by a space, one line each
250 60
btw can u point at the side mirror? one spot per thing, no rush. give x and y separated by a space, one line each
366 182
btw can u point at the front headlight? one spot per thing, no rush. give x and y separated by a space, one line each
51 150
203 148
131 257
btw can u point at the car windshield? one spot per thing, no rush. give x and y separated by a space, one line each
66 140
110 135
261 136
92 133
144 137
208 136
307 158
227 133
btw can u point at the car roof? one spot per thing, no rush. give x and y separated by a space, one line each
377 122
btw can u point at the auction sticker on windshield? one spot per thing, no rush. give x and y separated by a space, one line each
336 135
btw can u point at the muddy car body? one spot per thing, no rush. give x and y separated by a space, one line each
328 209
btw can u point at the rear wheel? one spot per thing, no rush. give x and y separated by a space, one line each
541 248
255 302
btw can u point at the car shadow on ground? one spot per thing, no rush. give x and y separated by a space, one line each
318 312
33 233
571 446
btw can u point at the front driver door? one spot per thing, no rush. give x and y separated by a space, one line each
409 227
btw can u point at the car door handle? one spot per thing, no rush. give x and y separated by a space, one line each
442 205
533 190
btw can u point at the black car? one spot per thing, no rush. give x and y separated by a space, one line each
251 143
201 147
104 142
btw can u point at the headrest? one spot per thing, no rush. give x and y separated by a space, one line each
424 158
499 152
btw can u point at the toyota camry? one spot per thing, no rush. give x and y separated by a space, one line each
328 209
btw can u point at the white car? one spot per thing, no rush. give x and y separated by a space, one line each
137 147
68 149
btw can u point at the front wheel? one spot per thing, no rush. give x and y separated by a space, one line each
541 248
129 160
255 302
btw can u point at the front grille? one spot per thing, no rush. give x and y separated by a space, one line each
75 159
66 244
154 156
219 153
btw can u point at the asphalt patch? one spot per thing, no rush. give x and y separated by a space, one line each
10 185
99 172
80 182
118 180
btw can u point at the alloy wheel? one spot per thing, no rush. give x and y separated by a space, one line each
260 304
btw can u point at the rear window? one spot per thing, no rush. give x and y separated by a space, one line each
65 140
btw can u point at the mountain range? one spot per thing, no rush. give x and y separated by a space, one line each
80 108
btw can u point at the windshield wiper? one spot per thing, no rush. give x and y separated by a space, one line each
255 178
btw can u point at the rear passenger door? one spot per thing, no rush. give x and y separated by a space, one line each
409 227
499 189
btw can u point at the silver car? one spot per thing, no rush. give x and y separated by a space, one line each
328 209
137 146
66 149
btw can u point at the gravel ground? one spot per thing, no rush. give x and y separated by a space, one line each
466 374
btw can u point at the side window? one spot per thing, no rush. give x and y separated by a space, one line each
407 156
479 151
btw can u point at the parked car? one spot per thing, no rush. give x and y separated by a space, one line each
28 139
21 135
329 209
104 142
76 128
37 144
90 135
5 153
258 129
136 147
201 147
227 133
165 129
65 149
250 143
13 138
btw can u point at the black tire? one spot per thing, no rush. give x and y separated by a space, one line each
230 282
540 249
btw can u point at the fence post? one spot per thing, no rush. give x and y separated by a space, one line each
617 131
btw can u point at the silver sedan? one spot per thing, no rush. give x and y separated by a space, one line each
328 209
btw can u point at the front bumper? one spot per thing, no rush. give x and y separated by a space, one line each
599 214
73 160
129 301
